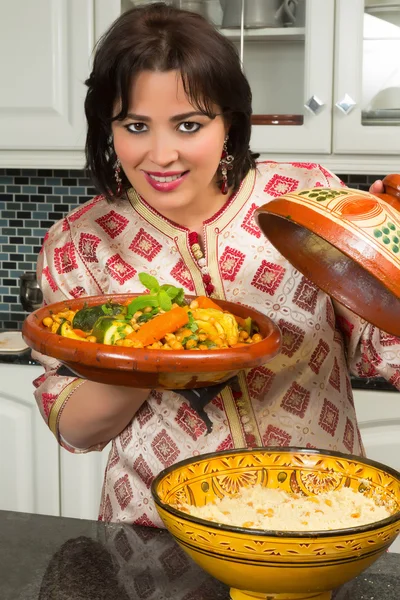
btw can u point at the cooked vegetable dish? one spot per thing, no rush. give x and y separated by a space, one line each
158 320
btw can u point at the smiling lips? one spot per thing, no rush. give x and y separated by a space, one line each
165 182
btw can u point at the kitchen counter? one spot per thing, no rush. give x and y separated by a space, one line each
50 558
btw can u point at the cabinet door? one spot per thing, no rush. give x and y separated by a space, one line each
367 78
29 471
45 47
378 416
81 483
290 72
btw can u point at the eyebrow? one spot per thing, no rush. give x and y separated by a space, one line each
173 119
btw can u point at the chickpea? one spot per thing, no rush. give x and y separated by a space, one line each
202 347
194 304
169 337
243 335
133 321
57 319
202 337
137 314
135 327
175 305
257 337
231 341
191 344
127 343
47 321
137 344
176 346
91 338
148 309
166 347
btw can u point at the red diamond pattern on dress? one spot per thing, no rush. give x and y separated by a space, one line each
65 225
259 381
50 280
279 185
249 223
64 258
144 414
227 444
305 165
108 511
349 391
218 402
395 380
119 269
157 396
78 291
144 533
125 437
48 401
345 326
87 247
318 356
334 378
276 437
165 448
230 263
388 340
296 400
330 313
143 470
348 438
144 584
182 275
365 369
292 337
370 354
329 417
112 223
145 245
123 491
190 422
268 277
306 295
113 459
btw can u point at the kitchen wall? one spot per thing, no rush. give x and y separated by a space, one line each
30 202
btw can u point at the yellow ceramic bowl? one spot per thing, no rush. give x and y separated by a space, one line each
274 565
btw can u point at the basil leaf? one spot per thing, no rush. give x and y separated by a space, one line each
171 290
164 300
149 282
141 302
180 297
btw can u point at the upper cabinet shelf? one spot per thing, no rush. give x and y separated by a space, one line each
267 33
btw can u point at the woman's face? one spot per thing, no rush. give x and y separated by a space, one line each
168 150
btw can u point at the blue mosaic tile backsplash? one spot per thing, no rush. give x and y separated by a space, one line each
30 202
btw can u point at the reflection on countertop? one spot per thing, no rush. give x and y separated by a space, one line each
50 558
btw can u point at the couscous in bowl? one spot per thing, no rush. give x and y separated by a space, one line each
277 565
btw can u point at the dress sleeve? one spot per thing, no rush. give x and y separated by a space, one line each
370 351
53 390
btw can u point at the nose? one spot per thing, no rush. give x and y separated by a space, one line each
163 150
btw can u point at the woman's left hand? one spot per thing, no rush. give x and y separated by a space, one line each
377 187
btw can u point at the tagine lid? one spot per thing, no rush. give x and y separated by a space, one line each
347 242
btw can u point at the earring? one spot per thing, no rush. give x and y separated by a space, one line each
225 164
117 176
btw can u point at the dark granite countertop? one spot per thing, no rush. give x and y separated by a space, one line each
55 558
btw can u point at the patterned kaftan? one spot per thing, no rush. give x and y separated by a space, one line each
302 397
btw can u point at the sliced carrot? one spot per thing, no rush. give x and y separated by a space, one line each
81 333
155 329
240 321
205 302
239 345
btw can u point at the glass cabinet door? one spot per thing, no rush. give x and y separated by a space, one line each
367 81
286 47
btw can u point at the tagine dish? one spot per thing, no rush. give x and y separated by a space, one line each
156 339
280 523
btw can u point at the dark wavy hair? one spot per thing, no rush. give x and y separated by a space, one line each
159 37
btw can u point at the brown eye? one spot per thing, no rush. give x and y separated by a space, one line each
136 127
189 127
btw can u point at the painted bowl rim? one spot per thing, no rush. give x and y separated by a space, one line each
275 533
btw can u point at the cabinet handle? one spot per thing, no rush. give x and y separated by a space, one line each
314 105
346 104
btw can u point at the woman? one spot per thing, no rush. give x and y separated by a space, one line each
168 111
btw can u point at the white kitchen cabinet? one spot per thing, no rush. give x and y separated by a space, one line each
45 47
29 465
378 414
81 481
